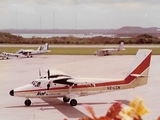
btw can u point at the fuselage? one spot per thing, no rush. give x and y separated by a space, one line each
103 52
33 52
39 89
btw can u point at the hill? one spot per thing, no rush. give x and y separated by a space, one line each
126 30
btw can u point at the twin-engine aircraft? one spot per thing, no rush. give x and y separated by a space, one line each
30 52
62 85
104 52
27 53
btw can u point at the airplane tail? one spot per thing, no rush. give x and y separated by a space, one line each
39 48
121 46
46 47
139 70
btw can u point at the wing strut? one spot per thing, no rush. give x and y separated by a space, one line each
70 89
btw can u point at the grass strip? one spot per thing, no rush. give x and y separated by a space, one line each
80 51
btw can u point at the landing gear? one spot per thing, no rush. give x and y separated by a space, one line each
66 99
73 102
29 56
27 102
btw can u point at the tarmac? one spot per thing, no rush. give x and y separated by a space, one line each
16 72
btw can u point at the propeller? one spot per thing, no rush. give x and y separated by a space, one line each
48 74
40 75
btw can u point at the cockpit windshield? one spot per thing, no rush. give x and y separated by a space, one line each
36 83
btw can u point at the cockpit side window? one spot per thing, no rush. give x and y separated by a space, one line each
36 83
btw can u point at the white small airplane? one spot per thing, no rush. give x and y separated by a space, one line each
31 52
9 55
26 53
3 56
104 52
67 87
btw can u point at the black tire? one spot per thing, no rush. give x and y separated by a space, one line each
27 102
73 102
66 99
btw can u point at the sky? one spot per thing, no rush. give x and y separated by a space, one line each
78 14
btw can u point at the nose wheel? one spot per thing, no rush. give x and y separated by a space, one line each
27 102
73 102
65 99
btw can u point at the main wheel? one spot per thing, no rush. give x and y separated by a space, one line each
73 102
27 102
66 99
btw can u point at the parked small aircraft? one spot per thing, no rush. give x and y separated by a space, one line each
2 56
104 52
62 85
31 52
27 53
9 55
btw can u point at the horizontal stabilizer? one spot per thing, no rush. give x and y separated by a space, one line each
138 75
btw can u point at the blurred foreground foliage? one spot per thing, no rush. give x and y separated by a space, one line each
134 111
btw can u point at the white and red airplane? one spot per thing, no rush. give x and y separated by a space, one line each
67 87
104 52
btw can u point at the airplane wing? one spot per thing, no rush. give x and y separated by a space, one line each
52 73
30 50
27 51
12 54
81 82
67 80
19 55
23 53
63 78
57 72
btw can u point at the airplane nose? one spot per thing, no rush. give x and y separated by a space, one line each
11 92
